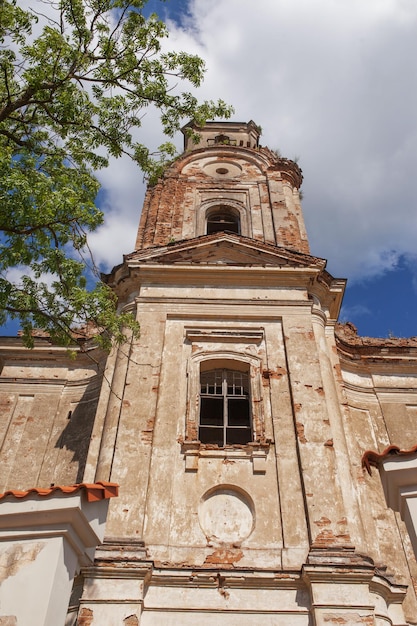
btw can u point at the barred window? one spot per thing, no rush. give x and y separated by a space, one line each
224 407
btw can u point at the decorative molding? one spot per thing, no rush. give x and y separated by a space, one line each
255 452
215 334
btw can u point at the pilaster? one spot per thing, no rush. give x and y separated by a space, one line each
345 588
327 517
115 586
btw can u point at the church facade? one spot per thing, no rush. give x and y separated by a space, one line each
235 426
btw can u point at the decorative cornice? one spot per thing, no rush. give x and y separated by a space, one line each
288 168
354 346
238 579
233 335
287 255
44 350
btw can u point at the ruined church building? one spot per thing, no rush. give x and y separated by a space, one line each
246 461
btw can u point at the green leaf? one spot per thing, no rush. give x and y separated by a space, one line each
70 98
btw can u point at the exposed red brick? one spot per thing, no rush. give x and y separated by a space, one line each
277 374
300 432
353 346
191 430
85 617
146 436
224 556
327 539
166 204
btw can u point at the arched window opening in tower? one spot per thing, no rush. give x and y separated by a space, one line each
224 408
223 140
221 219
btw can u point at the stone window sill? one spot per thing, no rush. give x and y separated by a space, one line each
256 452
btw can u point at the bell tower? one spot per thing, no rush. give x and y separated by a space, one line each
225 182
225 423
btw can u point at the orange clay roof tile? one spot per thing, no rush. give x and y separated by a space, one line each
93 491
374 458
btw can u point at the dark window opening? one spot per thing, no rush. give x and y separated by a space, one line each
224 140
224 408
221 220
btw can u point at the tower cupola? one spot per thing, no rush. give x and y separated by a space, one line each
237 134
225 181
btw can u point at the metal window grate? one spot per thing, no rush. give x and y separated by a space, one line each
224 407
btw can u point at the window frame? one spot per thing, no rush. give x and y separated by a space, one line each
212 205
211 347
226 215
224 426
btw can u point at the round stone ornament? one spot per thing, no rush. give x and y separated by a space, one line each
226 514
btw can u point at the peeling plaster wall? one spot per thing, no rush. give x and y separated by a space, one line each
160 500
263 188
48 409
307 496
286 529
380 392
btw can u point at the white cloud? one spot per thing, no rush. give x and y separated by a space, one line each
116 237
411 263
353 312
333 81
16 274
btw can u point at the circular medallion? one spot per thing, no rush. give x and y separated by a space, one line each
226 514
222 169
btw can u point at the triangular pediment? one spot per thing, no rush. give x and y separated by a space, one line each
225 249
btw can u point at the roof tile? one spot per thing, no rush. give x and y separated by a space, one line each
100 490
371 458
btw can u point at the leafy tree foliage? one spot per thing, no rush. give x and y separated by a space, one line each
70 97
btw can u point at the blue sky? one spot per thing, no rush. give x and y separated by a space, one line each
333 82
175 10
385 305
